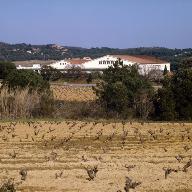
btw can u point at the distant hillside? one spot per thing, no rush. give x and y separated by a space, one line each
23 52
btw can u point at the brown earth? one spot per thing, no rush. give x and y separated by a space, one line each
78 94
46 149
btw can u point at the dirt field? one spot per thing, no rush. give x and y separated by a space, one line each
56 155
67 93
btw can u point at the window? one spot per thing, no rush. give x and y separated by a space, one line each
108 62
104 62
112 62
100 62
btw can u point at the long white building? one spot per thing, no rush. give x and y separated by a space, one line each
144 63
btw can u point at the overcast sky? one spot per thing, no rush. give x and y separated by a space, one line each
98 23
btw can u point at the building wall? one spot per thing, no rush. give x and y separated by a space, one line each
103 63
146 68
60 64
106 61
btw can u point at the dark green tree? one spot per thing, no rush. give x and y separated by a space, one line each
164 102
187 63
50 74
182 90
174 100
26 78
89 78
121 87
6 68
165 70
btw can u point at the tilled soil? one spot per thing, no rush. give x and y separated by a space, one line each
56 155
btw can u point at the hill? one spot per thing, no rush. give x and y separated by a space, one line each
23 52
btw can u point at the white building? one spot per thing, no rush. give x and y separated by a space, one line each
145 63
65 64
34 67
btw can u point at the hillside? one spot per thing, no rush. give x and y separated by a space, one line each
23 52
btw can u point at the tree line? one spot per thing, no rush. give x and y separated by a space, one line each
21 52
122 92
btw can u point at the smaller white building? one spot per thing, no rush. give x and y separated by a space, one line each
60 65
145 63
65 64
34 67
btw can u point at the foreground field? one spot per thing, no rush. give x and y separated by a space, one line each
56 155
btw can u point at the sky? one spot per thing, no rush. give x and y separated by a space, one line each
98 23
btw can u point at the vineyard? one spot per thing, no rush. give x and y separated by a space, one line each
96 156
67 93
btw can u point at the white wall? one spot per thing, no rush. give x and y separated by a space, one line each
104 62
98 63
145 68
60 64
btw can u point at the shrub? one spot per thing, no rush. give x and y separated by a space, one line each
50 74
174 100
26 79
8 186
25 103
6 68
181 85
164 104
121 88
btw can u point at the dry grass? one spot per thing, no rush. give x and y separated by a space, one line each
18 103
57 156
24 103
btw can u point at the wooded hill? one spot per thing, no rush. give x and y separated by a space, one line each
21 52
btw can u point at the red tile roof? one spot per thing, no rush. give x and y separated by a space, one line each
142 59
76 61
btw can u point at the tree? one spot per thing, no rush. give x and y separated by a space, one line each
174 100
89 78
120 88
165 70
182 90
187 63
164 102
50 74
30 83
155 75
6 68
25 78
74 71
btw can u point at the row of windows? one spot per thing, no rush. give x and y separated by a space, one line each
106 62
63 63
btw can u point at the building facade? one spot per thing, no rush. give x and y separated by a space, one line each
145 63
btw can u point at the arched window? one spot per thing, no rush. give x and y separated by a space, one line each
100 62
108 62
104 62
